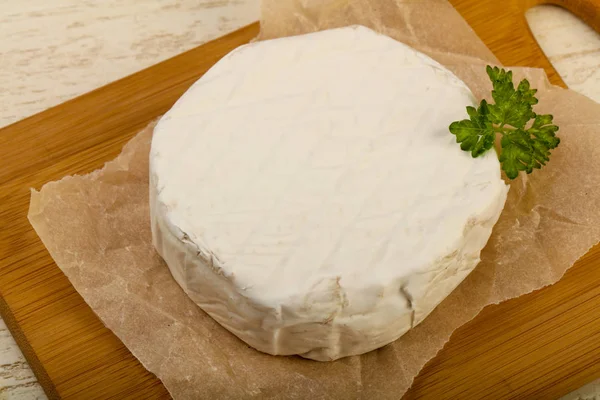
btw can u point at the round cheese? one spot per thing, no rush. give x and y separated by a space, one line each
306 192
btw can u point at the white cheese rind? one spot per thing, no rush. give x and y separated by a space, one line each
306 192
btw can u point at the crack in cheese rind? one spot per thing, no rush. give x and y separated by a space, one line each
306 192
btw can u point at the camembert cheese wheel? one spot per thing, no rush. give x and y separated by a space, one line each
306 192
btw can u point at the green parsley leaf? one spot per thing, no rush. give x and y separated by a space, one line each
476 134
523 148
516 153
512 107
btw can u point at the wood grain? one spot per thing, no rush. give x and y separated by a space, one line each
56 50
538 346
572 46
502 25
16 377
72 353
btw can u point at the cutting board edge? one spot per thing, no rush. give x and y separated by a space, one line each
28 352
16 183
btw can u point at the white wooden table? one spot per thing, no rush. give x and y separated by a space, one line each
52 51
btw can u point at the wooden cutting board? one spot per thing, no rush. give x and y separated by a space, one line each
542 345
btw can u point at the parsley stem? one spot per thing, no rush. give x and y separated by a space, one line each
503 130
525 144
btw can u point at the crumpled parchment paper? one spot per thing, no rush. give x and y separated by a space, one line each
96 227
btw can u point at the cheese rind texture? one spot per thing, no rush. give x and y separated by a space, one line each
306 192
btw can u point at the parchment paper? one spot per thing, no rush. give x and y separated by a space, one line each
96 228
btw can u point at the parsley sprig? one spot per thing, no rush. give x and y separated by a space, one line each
525 146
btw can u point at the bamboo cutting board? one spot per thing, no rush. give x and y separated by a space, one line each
542 345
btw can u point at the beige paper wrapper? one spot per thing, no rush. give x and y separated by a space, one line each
97 229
